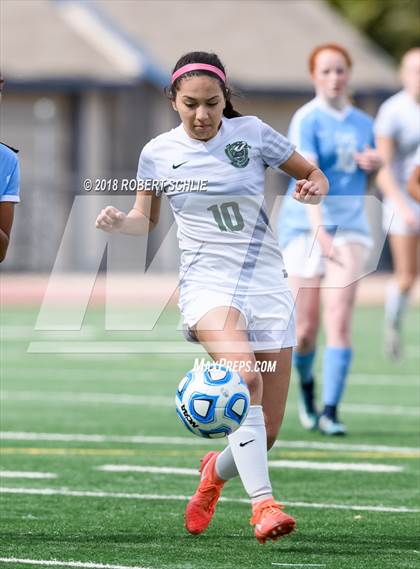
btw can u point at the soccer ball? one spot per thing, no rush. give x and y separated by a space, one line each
212 402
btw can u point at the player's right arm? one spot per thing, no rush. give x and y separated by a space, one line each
144 215
413 184
6 221
387 132
9 196
142 218
302 132
386 179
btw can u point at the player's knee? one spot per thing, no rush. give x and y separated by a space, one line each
306 339
254 382
406 281
306 333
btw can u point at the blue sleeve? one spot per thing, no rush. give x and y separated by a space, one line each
302 133
372 142
10 192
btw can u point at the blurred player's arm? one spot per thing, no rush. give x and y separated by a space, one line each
311 183
6 221
369 160
414 184
140 220
386 180
315 212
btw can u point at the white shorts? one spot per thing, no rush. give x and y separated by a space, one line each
394 223
269 317
303 256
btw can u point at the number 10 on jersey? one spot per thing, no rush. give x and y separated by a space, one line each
227 216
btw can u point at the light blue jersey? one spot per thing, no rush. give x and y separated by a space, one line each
9 175
330 138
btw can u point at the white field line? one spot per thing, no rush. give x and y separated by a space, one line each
371 409
80 373
293 464
299 564
145 345
160 347
148 469
55 563
89 328
83 374
135 496
89 358
156 401
25 474
91 398
17 335
340 466
191 441
374 380
24 334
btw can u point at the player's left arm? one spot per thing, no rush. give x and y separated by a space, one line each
369 160
6 222
413 184
311 182
311 186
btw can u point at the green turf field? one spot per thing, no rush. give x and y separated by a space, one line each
85 513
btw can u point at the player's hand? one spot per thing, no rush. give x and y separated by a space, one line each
110 219
326 242
368 160
307 192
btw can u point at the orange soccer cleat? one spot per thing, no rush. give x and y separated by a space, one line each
201 507
269 520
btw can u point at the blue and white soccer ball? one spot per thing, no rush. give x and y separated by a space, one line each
212 402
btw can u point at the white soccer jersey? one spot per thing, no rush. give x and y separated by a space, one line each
223 230
399 118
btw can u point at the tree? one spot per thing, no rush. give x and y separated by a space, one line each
392 24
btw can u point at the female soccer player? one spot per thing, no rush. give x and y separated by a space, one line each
332 243
9 189
230 295
397 129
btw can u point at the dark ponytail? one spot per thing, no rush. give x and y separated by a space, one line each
211 59
229 112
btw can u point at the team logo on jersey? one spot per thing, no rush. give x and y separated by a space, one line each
237 152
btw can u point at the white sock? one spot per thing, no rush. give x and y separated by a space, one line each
395 305
249 449
225 465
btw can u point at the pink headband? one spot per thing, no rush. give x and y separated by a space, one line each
198 67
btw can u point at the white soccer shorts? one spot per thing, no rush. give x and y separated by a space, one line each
394 223
269 317
303 256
